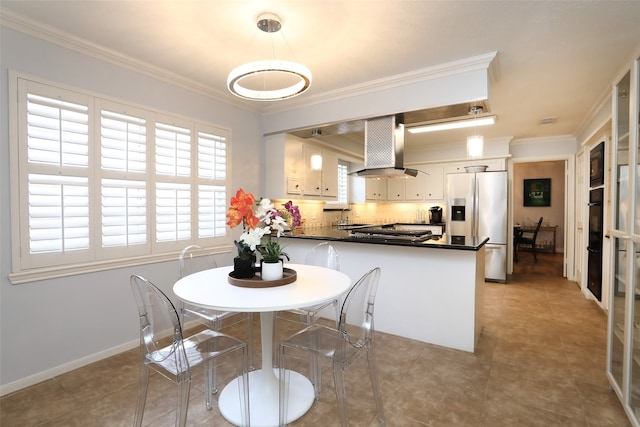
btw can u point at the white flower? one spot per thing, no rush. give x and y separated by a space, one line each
264 209
278 223
254 236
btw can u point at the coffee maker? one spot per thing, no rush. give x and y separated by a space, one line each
435 215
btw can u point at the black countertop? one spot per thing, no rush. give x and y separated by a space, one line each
445 241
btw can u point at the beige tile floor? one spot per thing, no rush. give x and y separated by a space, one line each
540 362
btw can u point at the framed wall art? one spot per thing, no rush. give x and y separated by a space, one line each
537 192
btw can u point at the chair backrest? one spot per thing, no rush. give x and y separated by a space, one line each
193 259
159 325
535 233
323 255
356 316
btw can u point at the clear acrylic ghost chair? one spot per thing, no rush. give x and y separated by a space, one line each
164 349
322 255
193 259
342 346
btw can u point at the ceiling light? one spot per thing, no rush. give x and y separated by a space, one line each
475 145
316 162
454 124
271 79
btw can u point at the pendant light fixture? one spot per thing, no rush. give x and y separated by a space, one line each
270 79
475 143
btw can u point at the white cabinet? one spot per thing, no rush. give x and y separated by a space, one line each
376 189
312 177
428 186
294 167
289 171
414 188
425 186
329 174
324 181
434 182
396 188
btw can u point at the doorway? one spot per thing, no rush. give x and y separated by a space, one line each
539 190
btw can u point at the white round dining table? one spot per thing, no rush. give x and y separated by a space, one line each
211 289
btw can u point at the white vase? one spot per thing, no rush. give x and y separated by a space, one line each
272 270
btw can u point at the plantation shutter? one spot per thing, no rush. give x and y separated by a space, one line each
123 185
343 183
173 185
101 180
55 223
212 175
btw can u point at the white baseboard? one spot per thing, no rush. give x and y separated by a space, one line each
67 367
75 364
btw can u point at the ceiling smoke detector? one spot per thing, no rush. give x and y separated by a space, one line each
547 120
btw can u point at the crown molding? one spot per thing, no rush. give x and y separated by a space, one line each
540 140
474 63
53 35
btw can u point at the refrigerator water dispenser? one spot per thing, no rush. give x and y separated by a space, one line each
457 213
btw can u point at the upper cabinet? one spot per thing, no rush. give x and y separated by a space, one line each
396 188
294 167
376 189
291 174
329 174
312 175
425 187
434 182
320 179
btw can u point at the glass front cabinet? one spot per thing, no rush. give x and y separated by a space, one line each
623 351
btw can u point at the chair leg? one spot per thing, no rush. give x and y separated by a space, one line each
184 387
142 394
251 365
374 384
341 395
210 383
243 389
314 363
275 343
535 255
338 309
283 388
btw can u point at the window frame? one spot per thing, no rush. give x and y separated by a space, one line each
27 267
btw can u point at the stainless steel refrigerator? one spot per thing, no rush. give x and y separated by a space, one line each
477 206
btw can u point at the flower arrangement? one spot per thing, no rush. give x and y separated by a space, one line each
258 226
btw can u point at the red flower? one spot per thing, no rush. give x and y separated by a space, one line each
241 211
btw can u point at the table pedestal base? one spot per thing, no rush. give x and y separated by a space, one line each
264 398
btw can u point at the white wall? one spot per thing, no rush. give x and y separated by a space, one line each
50 326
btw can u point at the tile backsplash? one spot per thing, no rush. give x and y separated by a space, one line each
314 215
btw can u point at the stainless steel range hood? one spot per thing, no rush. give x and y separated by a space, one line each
384 149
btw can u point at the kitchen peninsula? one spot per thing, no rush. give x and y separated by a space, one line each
430 290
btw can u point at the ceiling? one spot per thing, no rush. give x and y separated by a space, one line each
555 59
